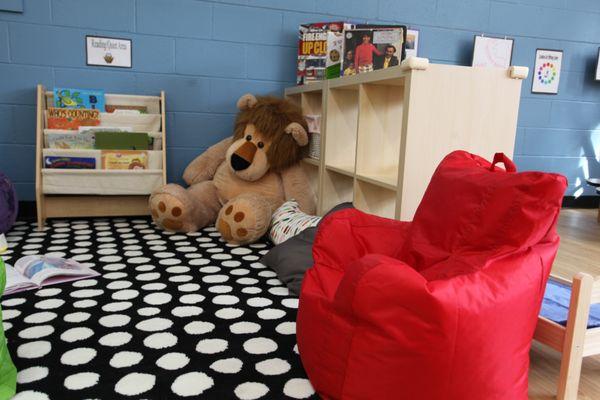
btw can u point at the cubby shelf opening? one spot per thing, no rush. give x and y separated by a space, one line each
341 129
375 199
337 188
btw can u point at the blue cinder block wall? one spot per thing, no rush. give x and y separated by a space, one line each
207 53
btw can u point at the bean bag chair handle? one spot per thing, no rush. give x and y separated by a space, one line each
509 165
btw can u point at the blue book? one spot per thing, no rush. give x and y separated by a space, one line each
79 98
69 162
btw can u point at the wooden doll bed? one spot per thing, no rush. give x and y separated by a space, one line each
574 340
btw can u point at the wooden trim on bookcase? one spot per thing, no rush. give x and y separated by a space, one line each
164 135
39 144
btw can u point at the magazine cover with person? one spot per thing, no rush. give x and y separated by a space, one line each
371 47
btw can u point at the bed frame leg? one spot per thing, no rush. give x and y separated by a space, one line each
572 354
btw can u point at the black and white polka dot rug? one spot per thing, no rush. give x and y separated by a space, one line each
172 316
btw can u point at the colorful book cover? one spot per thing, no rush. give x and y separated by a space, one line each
65 162
372 47
70 141
72 119
124 159
79 98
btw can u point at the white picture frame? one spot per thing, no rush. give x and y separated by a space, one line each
492 52
108 51
546 72
412 43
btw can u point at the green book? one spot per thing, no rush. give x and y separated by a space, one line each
122 140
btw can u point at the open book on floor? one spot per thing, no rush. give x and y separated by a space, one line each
33 272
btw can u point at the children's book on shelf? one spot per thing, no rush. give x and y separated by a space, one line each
372 47
107 140
124 159
111 108
36 271
79 98
104 128
67 162
320 48
74 140
71 119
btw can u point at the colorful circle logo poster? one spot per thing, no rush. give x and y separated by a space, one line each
547 71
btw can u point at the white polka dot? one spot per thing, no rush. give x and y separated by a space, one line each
251 390
31 374
188 287
251 290
85 303
79 356
186 311
35 349
180 269
260 345
48 304
145 268
135 383
154 324
244 327
148 311
229 313
37 318
286 328
298 388
180 278
161 340
259 302
154 286
290 303
124 359
215 278
199 327
126 294
211 346
227 366
114 320
231 263
278 291
157 298
240 251
220 289
76 334
118 285
191 384
77 317
36 332
239 271
115 275
85 283
225 300
148 276
173 361
81 380
48 292
85 293
117 306
115 339
273 366
191 298
170 261
13 302
209 270
271 313
110 259
247 281
199 261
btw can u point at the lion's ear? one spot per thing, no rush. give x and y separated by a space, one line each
298 133
246 102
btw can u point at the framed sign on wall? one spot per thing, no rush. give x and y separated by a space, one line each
108 51
492 52
546 73
598 66
412 42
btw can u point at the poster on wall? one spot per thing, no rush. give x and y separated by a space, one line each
546 73
412 42
108 52
598 66
492 52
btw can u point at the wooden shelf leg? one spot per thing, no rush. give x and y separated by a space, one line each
572 354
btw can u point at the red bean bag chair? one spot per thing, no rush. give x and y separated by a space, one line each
441 308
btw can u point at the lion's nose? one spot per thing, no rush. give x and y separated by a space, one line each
243 156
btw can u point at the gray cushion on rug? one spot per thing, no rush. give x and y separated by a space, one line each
292 258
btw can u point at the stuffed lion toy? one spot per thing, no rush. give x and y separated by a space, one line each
239 182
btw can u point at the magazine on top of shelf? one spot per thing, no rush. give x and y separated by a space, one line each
372 47
71 119
36 271
79 98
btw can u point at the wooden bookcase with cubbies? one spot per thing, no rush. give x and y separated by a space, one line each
383 133
100 192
